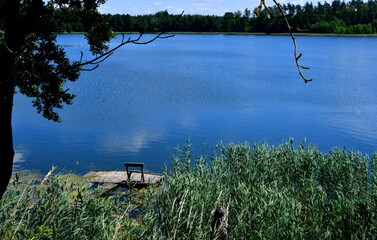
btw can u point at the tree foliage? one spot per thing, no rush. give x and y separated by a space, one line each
354 17
41 66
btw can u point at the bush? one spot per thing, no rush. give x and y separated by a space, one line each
334 26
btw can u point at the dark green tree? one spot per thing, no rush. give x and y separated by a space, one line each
116 21
128 23
33 64
141 24
228 22
247 13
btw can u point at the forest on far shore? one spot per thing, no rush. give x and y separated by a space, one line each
339 17
354 17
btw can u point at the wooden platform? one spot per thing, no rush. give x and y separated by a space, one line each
110 180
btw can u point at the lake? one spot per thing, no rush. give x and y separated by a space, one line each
146 99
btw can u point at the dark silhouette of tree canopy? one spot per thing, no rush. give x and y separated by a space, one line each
338 17
32 63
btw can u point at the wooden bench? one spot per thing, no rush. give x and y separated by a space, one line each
133 164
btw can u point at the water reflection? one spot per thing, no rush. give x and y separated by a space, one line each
19 158
133 142
189 121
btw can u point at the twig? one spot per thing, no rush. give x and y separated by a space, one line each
297 57
261 4
284 15
102 57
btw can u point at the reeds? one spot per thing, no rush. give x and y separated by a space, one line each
62 207
267 192
240 192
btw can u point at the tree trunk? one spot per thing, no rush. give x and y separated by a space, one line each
6 105
13 39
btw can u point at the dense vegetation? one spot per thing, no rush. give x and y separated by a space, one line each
240 192
354 17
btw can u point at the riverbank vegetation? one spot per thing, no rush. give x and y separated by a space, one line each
339 17
239 192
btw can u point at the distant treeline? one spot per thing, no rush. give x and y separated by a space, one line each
354 17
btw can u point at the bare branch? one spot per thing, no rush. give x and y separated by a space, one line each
82 55
261 4
90 69
267 9
107 54
297 57
102 57
9 50
155 38
284 16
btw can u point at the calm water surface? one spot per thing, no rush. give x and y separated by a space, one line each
145 100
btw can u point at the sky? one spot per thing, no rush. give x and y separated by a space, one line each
202 7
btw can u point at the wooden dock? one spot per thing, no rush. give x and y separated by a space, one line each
109 180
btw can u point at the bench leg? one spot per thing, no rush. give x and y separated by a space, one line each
142 174
128 174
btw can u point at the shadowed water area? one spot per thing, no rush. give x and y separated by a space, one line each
144 100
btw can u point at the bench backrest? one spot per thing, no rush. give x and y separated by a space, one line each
133 164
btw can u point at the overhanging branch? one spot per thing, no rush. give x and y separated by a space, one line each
97 60
284 16
102 57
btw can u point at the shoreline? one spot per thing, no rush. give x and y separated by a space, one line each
245 33
277 34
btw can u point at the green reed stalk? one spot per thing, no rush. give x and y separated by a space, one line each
267 192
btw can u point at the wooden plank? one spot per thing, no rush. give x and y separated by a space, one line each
106 176
109 180
118 177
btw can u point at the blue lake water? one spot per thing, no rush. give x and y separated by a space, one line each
145 100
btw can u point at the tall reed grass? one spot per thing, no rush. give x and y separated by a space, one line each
240 192
266 192
62 207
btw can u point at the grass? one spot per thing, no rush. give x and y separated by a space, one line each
62 207
239 192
